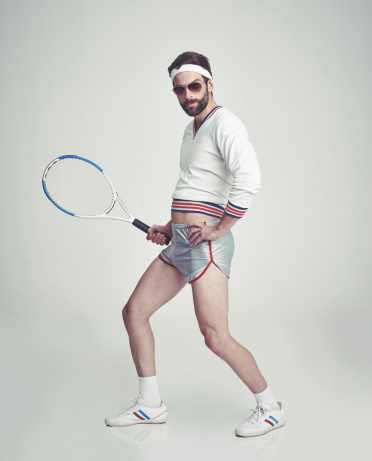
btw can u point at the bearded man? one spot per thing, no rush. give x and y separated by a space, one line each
219 178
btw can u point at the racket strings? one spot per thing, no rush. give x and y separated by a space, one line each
79 187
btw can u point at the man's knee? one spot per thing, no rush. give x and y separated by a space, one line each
129 313
215 340
133 314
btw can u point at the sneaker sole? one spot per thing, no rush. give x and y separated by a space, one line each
242 433
132 423
135 422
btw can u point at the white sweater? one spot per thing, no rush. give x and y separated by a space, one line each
219 168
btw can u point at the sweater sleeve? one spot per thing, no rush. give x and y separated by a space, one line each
232 140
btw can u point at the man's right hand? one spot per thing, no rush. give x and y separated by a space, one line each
162 231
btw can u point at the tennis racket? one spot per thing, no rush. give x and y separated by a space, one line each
81 188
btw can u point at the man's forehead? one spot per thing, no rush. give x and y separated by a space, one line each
184 78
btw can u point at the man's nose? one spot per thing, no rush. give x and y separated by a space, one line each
188 93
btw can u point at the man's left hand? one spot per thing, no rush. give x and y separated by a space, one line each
201 232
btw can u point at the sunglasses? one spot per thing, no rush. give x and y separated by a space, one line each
193 87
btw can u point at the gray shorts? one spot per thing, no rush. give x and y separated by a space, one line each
193 262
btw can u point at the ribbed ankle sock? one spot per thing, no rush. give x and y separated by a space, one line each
267 397
148 387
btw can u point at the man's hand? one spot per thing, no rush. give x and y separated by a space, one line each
163 231
203 232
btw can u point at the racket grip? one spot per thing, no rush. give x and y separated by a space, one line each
144 228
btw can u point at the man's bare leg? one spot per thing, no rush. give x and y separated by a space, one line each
158 285
210 294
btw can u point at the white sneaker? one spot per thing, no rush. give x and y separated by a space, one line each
262 420
139 413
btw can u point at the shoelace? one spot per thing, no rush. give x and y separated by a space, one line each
133 405
259 413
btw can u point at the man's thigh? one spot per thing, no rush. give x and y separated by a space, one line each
158 285
210 294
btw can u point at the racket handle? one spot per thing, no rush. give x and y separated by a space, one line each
144 228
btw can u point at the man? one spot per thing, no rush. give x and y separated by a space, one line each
218 179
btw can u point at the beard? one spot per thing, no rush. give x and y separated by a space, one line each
197 108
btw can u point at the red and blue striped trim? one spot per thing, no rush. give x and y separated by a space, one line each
235 211
205 119
191 206
208 208
142 413
271 417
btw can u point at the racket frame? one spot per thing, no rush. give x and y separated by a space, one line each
131 219
115 195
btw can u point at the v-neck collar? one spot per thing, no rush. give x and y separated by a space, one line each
205 118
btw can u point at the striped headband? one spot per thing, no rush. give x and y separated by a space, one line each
190 68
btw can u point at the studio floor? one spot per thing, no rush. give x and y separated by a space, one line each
56 397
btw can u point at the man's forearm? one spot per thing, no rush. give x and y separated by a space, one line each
226 223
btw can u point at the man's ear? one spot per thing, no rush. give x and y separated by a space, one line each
210 86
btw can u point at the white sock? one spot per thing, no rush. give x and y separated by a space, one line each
267 397
149 389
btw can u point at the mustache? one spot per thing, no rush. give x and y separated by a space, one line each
189 101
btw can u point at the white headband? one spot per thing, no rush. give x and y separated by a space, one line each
190 68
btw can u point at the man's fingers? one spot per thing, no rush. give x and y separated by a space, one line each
193 231
196 235
197 241
155 235
159 238
150 232
191 235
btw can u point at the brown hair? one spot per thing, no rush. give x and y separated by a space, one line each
190 57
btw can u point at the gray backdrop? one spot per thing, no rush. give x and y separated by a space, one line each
90 78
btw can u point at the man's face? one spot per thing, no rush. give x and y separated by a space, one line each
192 103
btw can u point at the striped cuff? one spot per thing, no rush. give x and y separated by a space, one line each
235 211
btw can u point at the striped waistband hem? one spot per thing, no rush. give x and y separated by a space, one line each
213 222
207 208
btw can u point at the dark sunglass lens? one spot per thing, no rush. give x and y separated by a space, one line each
195 87
178 90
